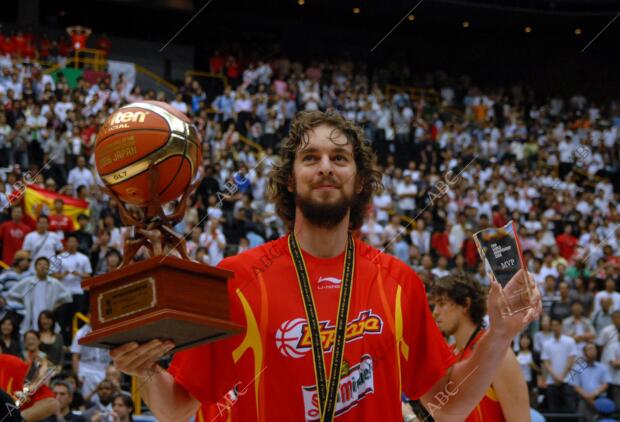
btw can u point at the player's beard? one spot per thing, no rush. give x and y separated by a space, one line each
325 215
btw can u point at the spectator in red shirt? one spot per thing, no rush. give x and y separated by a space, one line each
79 35
104 43
45 46
567 243
29 37
29 52
12 234
63 47
469 250
59 222
8 46
216 63
88 135
19 43
232 71
440 244
499 216
610 258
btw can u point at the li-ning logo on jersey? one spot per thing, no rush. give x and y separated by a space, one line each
293 338
329 283
353 387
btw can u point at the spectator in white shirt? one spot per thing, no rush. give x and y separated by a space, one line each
548 269
613 361
179 104
558 357
42 242
457 234
544 334
421 238
529 368
382 204
81 176
71 267
602 318
89 363
38 293
566 148
441 270
62 107
609 336
577 326
373 231
406 191
214 241
610 292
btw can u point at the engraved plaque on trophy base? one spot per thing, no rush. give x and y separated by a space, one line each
160 297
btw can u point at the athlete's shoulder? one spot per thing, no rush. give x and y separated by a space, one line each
389 264
258 258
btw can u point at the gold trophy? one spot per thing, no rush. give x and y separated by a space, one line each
38 374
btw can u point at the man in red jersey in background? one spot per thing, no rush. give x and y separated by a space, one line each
41 404
567 243
334 329
459 308
12 234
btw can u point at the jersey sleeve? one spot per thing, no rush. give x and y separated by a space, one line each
424 354
43 392
207 371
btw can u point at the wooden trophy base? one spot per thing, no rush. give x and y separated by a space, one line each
161 297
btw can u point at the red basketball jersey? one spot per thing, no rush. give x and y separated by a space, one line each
267 374
489 409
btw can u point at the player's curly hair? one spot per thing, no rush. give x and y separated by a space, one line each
282 170
458 288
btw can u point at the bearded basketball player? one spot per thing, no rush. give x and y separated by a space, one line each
334 329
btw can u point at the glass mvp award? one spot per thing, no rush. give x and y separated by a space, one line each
500 251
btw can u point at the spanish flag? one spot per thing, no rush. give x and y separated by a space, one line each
41 201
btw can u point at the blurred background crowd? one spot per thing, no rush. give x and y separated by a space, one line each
456 158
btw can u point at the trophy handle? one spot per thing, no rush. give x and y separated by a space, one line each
127 217
37 375
153 209
179 212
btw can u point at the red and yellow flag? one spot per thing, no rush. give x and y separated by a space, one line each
38 200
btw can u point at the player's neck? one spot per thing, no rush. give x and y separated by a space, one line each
319 241
464 332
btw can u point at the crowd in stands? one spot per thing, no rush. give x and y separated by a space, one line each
27 46
454 161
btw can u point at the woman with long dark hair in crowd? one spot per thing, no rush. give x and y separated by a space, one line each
9 337
123 407
529 368
51 342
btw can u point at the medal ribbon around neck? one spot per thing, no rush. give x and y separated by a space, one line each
327 390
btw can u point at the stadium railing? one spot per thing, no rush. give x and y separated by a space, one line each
146 79
212 83
77 317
